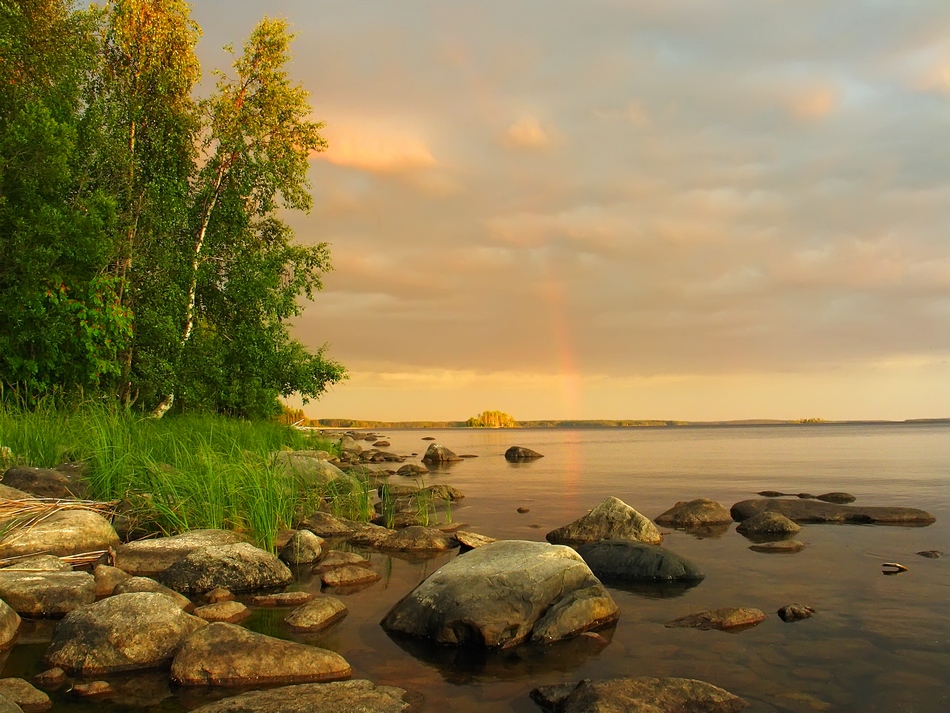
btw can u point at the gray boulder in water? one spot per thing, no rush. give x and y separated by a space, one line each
439 454
694 514
612 519
629 561
240 567
502 594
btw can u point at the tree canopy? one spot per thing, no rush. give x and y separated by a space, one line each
145 258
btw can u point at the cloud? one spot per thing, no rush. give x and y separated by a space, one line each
528 133
377 148
814 103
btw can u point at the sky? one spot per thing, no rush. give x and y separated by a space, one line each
688 209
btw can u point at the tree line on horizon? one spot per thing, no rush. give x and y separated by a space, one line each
144 259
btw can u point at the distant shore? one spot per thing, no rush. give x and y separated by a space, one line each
609 423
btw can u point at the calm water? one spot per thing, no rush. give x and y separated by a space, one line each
877 643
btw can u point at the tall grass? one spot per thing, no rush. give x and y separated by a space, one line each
178 473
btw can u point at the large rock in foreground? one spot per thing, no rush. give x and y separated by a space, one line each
149 557
359 696
241 567
629 561
502 594
816 511
642 694
67 532
229 655
122 633
613 519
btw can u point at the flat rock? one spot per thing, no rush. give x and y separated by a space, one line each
436 453
46 594
781 547
328 526
795 612
418 539
41 482
369 535
641 694
358 696
122 633
725 618
694 514
304 547
837 497
613 519
768 524
631 561
25 695
516 454
349 576
471 540
316 615
502 594
40 563
240 567
231 612
228 655
281 599
150 557
805 511
147 584
338 558
92 689
9 626
67 532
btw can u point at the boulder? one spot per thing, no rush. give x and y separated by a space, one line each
147 584
316 615
231 612
107 578
348 443
149 557
46 594
641 694
40 563
358 696
725 618
9 626
613 519
768 524
328 526
631 561
694 514
66 532
349 576
436 454
223 654
418 539
369 535
795 612
122 633
516 454
41 482
805 511
782 547
240 567
309 467
304 548
502 594
25 695
412 469
471 540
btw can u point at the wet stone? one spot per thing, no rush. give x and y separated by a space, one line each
722 619
281 599
25 695
50 679
349 576
359 696
92 689
795 612
638 694
316 615
930 554
786 547
231 612
338 558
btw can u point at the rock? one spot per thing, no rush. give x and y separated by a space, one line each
150 557
316 615
349 576
348 443
8 706
369 535
228 655
436 454
381 444
804 511
630 561
613 519
502 594
418 539
41 482
412 469
240 567
930 554
50 679
795 612
8 493
471 540
839 498
25 695
519 453
771 494
40 563
338 558
231 612
786 547
642 694
694 514
146 584
46 594
328 526
725 618
67 532
107 578
122 633
428 438
281 599
218 595
92 689
359 696
767 524
441 491
304 548
309 467
9 626
523 510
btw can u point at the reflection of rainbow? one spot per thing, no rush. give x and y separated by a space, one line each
553 291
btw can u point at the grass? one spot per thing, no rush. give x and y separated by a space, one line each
174 474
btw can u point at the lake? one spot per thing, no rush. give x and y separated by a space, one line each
876 643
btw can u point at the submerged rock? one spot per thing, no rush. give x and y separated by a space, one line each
519 453
358 696
725 618
240 567
228 655
122 633
784 547
840 498
613 519
502 594
149 557
630 561
805 511
642 694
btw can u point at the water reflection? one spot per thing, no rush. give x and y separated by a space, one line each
653 590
